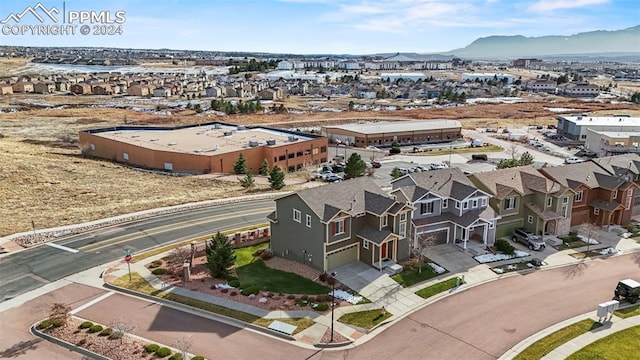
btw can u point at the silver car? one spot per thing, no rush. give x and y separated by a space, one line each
532 241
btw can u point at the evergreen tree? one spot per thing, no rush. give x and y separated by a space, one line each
220 256
240 167
355 167
248 181
276 178
264 168
395 173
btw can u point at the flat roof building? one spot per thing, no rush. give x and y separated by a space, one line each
405 132
575 126
205 148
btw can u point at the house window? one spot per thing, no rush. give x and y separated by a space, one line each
365 244
126 157
484 201
549 202
627 204
491 225
579 196
403 216
475 203
403 229
565 211
465 205
565 200
340 227
281 158
383 221
426 208
457 205
530 219
297 216
445 203
615 194
596 211
92 146
510 203
308 220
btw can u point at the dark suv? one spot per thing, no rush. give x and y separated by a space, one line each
532 241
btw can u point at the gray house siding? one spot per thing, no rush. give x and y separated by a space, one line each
295 241
343 236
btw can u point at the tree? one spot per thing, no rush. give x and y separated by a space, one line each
355 167
526 159
264 168
240 167
220 256
635 98
395 173
424 242
276 178
184 345
351 105
248 181
59 314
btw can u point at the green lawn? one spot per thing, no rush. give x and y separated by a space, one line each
627 312
622 345
547 344
244 255
438 288
365 319
411 276
264 278
139 284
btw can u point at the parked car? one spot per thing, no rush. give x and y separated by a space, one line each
333 178
336 168
573 160
532 241
422 168
587 153
437 166
477 143
627 289
323 175
376 164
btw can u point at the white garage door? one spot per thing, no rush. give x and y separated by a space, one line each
342 256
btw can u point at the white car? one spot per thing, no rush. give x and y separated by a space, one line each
437 166
573 160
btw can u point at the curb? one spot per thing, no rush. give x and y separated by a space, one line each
80 350
334 345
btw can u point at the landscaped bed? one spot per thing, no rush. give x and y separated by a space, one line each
365 319
622 345
547 344
411 273
627 312
439 287
573 240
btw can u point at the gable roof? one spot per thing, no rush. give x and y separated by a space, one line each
588 173
447 183
354 196
524 180
619 165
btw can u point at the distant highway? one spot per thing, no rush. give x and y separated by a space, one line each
32 268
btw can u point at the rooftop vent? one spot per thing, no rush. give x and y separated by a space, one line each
253 143
172 144
293 138
271 142
242 127
198 151
153 140
228 133
217 126
135 136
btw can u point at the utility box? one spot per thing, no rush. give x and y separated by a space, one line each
606 309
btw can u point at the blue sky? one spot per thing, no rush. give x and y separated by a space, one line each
328 26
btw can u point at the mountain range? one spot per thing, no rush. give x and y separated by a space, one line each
623 43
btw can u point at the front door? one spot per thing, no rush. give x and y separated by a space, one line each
383 251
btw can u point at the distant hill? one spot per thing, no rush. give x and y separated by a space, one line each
623 43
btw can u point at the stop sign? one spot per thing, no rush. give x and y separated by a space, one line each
127 258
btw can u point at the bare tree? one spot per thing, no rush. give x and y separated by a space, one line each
179 255
424 242
514 149
184 345
120 328
59 314
589 230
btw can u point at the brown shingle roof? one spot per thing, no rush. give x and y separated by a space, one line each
524 180
587 173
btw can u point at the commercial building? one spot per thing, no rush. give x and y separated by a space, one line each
576 127
205 148
407 132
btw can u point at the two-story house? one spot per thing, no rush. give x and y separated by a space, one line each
332 225
448 207
524 198
600 198
626 166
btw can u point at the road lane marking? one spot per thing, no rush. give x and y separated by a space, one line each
154 231
61 247
91 303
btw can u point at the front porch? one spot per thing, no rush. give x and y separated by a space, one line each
475 235
382 246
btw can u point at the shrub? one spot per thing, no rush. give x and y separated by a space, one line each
154 264
323 277
235 283
151 348
159 271
58 322
85 325
322 298
44 324
233 293
266 254
106 332
116 335
250 290
479 157
81 342
197 357
231 278
395 150
163 352
176 356
504 247
331 280
291 296
224 291
322 307
95 328
304 297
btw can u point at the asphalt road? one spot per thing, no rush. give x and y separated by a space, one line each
29 269
481 322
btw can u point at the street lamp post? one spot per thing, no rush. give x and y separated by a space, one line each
333 303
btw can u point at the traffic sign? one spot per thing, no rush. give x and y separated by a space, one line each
127 258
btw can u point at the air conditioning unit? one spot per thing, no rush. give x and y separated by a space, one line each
271 142
228 133
253 143
293 138
241 127
217 126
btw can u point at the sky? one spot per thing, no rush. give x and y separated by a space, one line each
312 26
